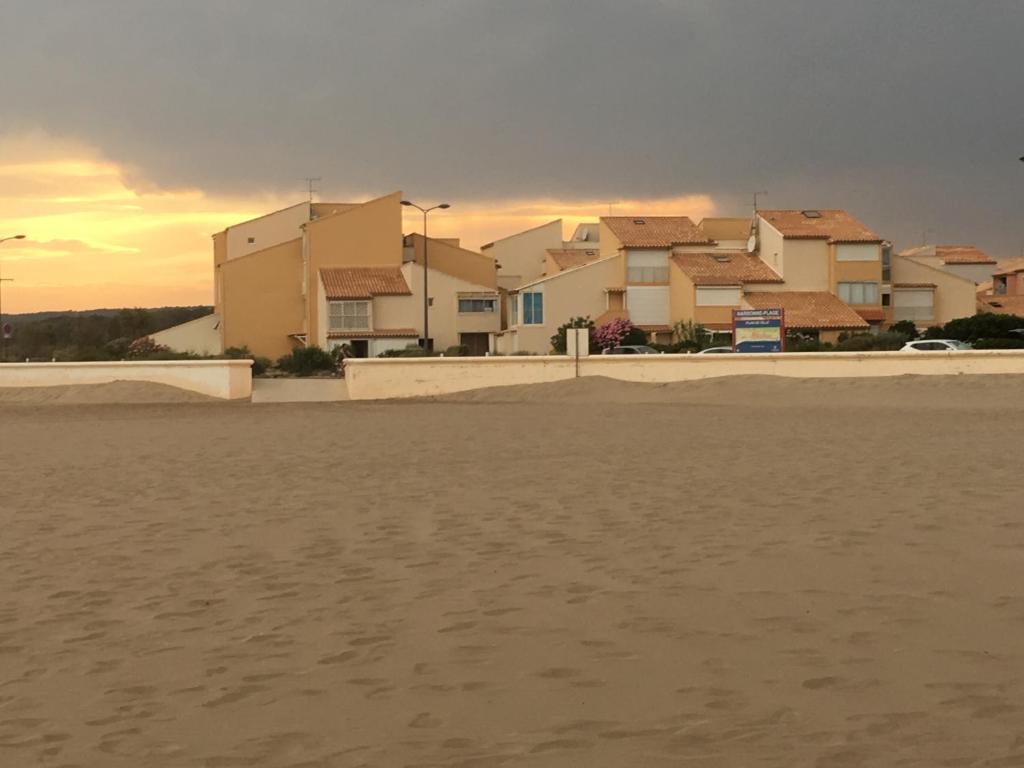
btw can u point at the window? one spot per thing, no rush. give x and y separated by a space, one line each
857 252
647 267
349 316
533 308
858 293
477 305
719 297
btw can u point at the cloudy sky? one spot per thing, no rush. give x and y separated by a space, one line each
130 131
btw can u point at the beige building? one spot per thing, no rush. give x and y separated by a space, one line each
1004 294
271 294
823 267
966 261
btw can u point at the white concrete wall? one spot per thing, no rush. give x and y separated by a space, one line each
200 336
226 379
415 377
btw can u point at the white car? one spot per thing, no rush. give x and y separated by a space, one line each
935 345
631 349
716 351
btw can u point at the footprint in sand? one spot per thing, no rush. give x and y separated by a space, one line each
425 720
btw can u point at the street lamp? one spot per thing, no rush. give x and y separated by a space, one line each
426 301
3 336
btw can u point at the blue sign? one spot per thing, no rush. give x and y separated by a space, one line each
758 330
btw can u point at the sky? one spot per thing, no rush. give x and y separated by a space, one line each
131 131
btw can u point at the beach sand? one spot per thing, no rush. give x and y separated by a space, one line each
725 573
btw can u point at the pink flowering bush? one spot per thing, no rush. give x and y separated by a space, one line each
616 332
145 347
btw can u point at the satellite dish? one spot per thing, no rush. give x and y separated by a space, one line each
751 243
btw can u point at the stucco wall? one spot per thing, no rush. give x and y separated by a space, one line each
225 379
954 295
415 377
263 300
266 231
521 256
573 293
445 321
458 262
200 336
367 235
220 253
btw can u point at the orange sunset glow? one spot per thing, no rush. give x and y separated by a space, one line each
98 235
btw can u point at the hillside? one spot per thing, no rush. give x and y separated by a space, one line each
99 334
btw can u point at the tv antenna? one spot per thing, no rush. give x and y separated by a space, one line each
311 184
762 192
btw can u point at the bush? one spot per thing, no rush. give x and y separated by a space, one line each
460 350
145 348
986 326
867 342
999 344
688 336
305 361
934 332
559 342
906 327
413 350
260 365
616 333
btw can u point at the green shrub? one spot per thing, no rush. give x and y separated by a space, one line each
934 332
260 365
559 342
985 326
305 361
906 327
460 350
238 353
999 344
413 350
867 342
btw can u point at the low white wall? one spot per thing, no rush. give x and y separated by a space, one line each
226 379
371 379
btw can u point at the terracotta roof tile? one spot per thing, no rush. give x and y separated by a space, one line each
1009 267
913 285
567 258
808 309
962 254
836 226
380 333
870 313
1001 305
654 231
724 268
363 282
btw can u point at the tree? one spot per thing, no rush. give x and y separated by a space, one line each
689 335
906 327
985 326
558 341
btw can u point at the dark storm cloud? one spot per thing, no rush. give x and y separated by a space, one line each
909 113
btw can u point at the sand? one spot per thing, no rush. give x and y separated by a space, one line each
562 576
116 392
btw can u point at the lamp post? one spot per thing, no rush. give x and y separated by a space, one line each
426 300
3 336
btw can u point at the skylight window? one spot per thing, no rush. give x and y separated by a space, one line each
722 259
639 221
811 214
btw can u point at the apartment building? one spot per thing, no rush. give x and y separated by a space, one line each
1004 294
524 256
333 273
823 267
967 261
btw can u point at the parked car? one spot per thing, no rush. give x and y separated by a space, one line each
1017 333
935 345
716 351
634 349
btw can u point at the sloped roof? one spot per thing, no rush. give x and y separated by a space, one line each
363 282
724 268
1009 267
962 254
567 258
654 231
735 228
834 225
809 309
